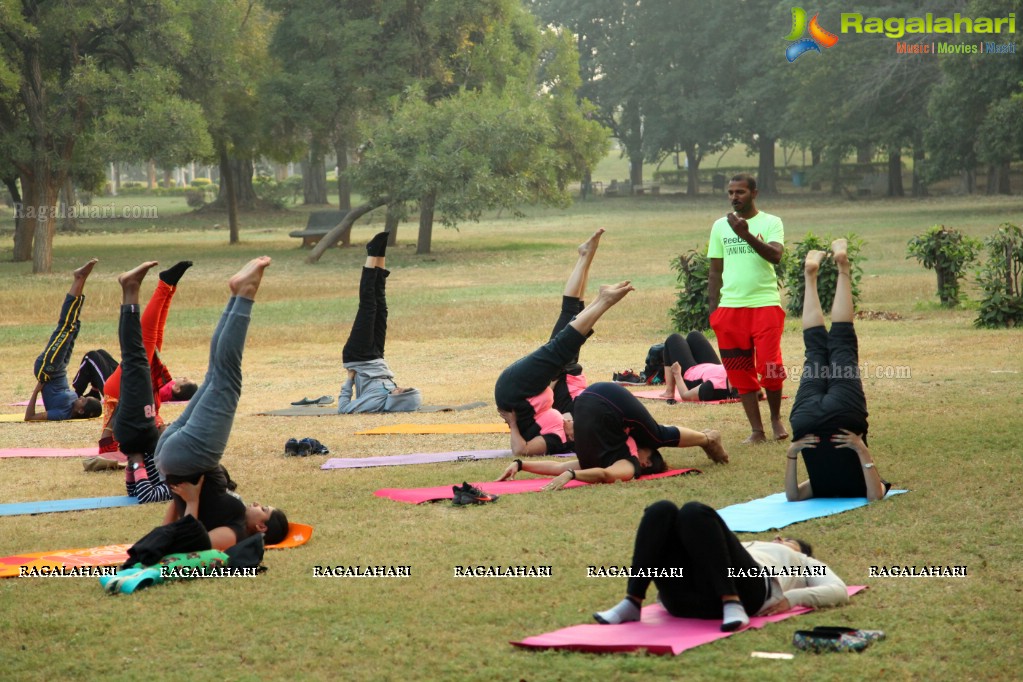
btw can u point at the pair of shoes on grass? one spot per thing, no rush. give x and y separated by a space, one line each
627 377
825 638
305 447
466 494
322 400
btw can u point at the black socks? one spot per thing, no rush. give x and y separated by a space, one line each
172 274
377 247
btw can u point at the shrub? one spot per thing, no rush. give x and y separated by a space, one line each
791 272
277 194
692 310
947 252
196 198
201 182
1001 279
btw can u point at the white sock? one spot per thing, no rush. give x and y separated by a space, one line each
735 616
625 611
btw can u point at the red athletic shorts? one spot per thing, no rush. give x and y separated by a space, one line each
750 343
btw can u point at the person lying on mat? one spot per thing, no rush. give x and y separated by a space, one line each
60 402
616 439
132 404
537 392
691 364
92 373
829 415
189 451
721 577
369 385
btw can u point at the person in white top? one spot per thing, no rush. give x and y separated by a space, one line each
702 570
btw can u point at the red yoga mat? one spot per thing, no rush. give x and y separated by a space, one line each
525 485
657 632
90 451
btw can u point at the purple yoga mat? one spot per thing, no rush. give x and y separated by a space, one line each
418 458
656 631
49 452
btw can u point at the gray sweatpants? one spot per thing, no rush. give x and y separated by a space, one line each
196 441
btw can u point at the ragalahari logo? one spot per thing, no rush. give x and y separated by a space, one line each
818 36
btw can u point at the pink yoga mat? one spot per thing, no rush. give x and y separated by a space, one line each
59 452
657 632
419 458
39 403
524 485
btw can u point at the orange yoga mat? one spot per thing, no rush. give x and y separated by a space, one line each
112 555
435 428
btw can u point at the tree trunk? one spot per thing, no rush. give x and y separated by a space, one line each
632 131
895 188
1003 178
766 183
692 172
69 202
314 177
426 207
344 185
815 161
22 236
391 224
586 185
991 179
42 218
228 188
969 181
168 178
241 172
151 174
342 228
919 186
117 178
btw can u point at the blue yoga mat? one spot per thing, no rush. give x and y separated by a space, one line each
76 504
774 511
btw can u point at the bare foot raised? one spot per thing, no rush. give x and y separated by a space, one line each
813 261
134 277
612 293
245 282
714 449
590 245
780 432
755 438
840 252
84 271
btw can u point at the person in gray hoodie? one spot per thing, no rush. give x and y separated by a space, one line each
369 385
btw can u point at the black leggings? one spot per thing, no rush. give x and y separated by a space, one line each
830 395
694 350
96 366
606 414
369 331
533 374
696 540
563 401
135 419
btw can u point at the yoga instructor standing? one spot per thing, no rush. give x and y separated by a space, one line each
745 306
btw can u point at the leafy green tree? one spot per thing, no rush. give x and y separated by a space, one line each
1001 279
946 251
63 68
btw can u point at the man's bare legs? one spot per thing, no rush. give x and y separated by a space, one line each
609 295
842 307
575 287
245 283
80 275
131 282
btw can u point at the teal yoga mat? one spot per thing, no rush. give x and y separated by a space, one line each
774 511
75 504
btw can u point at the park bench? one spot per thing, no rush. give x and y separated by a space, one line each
642 189
318 225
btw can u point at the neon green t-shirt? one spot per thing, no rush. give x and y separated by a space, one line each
747 281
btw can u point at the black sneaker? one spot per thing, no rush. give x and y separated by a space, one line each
468 494
315 446
291 448
627 377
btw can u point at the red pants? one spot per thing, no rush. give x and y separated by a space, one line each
750 343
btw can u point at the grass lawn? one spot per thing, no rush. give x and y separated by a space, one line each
487 295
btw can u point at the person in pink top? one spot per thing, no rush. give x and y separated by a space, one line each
692 366
534 395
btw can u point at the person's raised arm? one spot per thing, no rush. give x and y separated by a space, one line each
30 410
794 491
769 251
875 486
